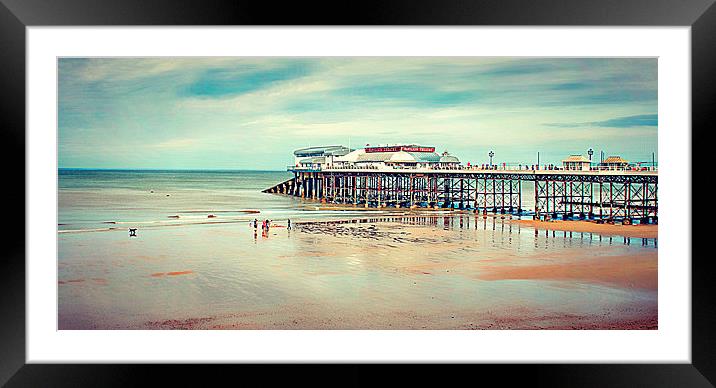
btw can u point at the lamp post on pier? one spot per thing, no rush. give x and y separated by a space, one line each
590 152
491 154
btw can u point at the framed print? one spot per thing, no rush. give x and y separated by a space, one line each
427 183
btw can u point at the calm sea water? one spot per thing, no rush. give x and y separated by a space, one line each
100 199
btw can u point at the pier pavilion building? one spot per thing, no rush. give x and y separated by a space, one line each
576 163
614 163
372 157
318 156
395 156
449 161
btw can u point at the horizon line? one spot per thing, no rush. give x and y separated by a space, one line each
162 169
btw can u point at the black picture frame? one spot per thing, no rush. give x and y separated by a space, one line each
16 15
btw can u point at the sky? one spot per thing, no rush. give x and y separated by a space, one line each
251 113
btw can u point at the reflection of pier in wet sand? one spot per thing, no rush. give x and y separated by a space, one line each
500 223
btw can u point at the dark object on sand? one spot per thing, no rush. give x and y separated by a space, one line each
132 232
211 216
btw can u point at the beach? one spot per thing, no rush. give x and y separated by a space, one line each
491 274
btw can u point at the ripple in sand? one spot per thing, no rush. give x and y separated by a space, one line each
70 281
179 273
174 273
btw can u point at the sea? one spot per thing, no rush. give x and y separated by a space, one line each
109 199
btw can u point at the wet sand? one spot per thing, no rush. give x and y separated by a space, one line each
395 272
630 271
317 317
640 231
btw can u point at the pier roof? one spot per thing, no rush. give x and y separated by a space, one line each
399 157
615 159
576 158
314 160
336 150
402 157
374 157
447 158
360 156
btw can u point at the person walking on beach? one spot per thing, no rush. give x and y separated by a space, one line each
256 223
289 224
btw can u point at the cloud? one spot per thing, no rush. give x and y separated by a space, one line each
521 68
252 112
236 81
651 120
175 144
411 94
630 121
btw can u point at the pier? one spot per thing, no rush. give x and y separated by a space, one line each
603 193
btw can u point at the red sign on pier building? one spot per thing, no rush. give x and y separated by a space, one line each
400 148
